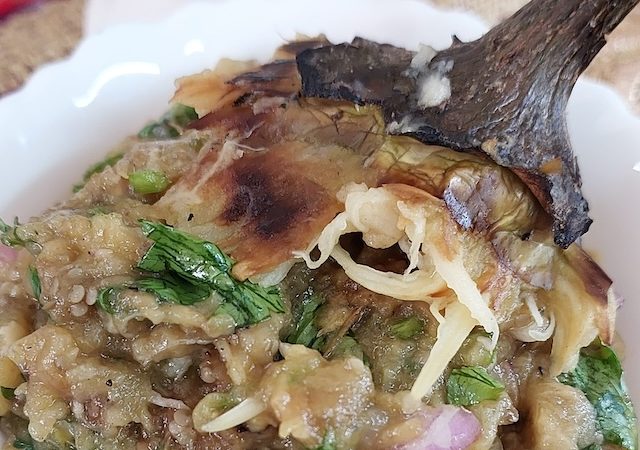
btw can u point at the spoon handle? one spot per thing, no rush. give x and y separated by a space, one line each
508 94
526 66
510 90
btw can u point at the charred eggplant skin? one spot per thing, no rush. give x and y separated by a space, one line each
509 91
365 72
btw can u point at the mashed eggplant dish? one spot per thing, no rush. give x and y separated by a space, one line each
266 268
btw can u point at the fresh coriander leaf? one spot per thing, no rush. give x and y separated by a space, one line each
328 442
347 346
187 256
247 308
34 280
407 328
240 317
24 444
8 393
97 168
203 264
169 125
170 288
599 375
159 130
166 287
471 385
148 182
304 314
181 115
108 299
256 302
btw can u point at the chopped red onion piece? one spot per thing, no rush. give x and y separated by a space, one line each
445 428
7 254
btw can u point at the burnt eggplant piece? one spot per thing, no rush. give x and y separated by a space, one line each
509 92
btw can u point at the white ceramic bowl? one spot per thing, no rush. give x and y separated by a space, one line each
70 113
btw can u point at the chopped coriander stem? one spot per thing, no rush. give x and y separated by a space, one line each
148 181
36 285
9 234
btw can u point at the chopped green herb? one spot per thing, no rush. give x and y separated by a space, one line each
599 375
187 270
185 255
34 279
12 236
472 385
252 302
179 116
304 314
98 167
407 328
108 299
9 234
328 442
347 346
173 289
255 300
148 182
159 130
25 444
8 393
178 256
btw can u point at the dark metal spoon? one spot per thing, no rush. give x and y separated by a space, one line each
509 92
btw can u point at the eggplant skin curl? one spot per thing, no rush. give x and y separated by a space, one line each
259 269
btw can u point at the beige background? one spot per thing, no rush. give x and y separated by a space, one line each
52 29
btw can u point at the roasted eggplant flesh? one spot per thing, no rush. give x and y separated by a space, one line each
269 266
